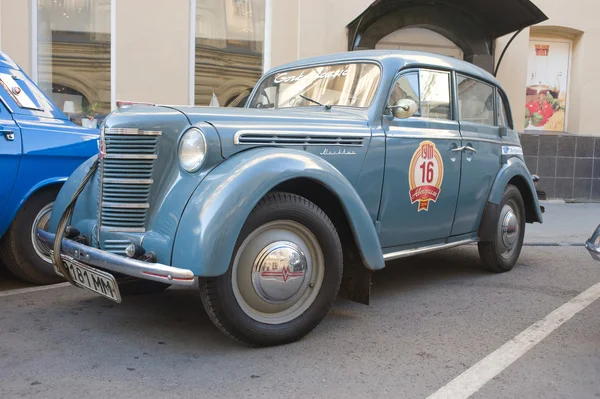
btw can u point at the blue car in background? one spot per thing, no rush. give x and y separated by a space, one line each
39 149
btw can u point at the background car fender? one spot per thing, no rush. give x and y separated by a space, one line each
16 201
217 210
67 191
514 171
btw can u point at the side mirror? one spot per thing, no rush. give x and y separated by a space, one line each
404 108
503 131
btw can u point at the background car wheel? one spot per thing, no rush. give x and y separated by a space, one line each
501 253
21 253
134 286
284 274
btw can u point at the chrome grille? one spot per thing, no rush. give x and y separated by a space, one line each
116 246
126 178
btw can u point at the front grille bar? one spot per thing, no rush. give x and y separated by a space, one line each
126 169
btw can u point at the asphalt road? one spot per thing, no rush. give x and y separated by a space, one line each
432 318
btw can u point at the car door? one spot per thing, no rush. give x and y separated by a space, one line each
10 151
422 168
482 150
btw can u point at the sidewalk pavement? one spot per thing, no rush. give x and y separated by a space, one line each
564 224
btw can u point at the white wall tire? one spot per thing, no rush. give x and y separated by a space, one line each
284 274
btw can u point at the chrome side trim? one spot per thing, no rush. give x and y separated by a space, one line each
108 261
131 131
125 205
482 140
123 229
128 181
131 156
425 136
423 250
283 133
442 137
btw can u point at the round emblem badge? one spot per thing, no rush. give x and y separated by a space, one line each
425 175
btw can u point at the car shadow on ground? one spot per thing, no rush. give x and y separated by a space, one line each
179 314
411 273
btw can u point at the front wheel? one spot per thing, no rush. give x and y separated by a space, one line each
501 253
284 274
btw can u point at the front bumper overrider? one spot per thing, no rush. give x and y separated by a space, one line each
119 264
593 244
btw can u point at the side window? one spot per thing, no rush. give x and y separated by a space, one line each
502 117
407 86
475 101
429 89
435 94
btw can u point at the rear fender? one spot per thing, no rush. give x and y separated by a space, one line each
218 208
515 172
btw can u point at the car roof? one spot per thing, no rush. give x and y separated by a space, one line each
396 59
7 62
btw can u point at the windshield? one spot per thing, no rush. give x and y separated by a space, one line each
348 85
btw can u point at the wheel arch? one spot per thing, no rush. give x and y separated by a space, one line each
516 173
11 212
213 218
521 184
325 199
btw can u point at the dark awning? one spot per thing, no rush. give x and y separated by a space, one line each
494 18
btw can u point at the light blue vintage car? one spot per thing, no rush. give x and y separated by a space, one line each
336 165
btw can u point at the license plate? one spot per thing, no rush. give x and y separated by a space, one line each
93 279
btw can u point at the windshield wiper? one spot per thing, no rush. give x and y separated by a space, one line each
315 101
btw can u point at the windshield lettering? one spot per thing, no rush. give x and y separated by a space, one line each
349 85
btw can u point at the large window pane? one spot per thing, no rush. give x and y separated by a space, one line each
475 101
229 49
74 57
435 94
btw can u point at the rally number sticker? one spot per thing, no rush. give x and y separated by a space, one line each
425 175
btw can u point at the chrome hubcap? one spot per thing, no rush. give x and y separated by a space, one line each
279 271
41 222
510 229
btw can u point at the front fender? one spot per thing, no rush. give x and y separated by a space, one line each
16 201
218 208
67 191
515 167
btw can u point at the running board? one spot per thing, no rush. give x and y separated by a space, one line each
422 250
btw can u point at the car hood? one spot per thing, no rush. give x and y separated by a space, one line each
229 122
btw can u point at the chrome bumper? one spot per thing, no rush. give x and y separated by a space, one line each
119 264
592 244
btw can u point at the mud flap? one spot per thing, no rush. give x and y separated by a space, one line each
356 283
489 222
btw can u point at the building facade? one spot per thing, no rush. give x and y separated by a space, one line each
86 54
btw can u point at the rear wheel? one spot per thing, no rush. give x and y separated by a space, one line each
284 275
501 253
22 254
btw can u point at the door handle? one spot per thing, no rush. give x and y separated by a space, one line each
464 148
9 135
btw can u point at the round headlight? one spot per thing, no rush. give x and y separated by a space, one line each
192 150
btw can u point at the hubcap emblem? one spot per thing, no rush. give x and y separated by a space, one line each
279 272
